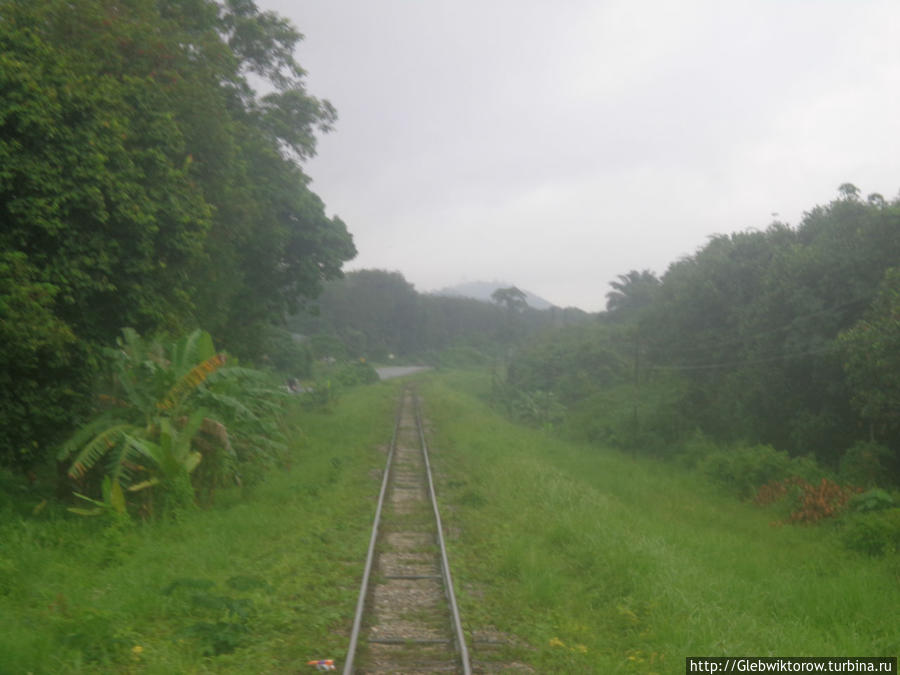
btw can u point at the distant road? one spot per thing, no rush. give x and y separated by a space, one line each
388 372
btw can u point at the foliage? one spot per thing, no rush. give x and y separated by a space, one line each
872 500
323 395
248 585
43 368
809 502
632 292
784 337
375 313
163 412
747 468
537 408
112 505
285 353
355 372
463 356
871 351
868 464
146 184
874 533
512 299
591 560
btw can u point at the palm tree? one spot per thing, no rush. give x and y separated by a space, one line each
632 291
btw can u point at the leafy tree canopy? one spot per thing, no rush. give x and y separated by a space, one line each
144 182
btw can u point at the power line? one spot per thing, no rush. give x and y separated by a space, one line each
742 339
747 362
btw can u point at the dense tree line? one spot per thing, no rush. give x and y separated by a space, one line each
787 336
375 313
145 183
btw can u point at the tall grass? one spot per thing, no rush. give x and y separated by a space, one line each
600 562
262 582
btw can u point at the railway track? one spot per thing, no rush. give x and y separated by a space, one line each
406 617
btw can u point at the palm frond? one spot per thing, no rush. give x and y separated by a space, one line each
143 485
189 382
148 449
192 461
78 440
191 349
231 405
96 448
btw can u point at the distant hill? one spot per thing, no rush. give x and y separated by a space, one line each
482 290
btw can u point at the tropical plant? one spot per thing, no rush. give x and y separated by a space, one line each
166 409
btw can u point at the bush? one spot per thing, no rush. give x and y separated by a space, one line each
458 357
874 533
746 468
695 449
871 500
286 354
808 502
358 372
322 395
867 464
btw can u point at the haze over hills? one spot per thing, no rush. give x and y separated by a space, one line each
482 290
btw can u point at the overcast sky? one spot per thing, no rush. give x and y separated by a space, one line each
558 144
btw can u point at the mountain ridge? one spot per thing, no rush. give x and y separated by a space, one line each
482 290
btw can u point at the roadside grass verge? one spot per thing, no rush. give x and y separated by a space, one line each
593 561
263 581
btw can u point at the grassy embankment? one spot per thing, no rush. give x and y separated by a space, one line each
599 562
261 582
594 561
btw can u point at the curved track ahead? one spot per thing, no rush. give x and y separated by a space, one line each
406 617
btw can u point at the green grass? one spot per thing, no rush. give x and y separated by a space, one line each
593 561
262 582
600 562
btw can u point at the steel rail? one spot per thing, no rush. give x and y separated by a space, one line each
445 563
370 555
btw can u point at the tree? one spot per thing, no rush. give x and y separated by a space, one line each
145 183
511 298
871 350
632 291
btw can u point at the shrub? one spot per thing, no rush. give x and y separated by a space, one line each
871 500
823 500
357 372
286 354
464 356
166 408
322 395
866 464
695 449
809 502
874 533
745 468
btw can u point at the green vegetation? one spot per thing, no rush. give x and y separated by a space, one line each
600 562
157 226
262 582
786 338
374 314
581 559
145 184
166 410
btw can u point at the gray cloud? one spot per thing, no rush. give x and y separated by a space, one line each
556 145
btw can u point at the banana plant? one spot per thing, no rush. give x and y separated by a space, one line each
155 423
